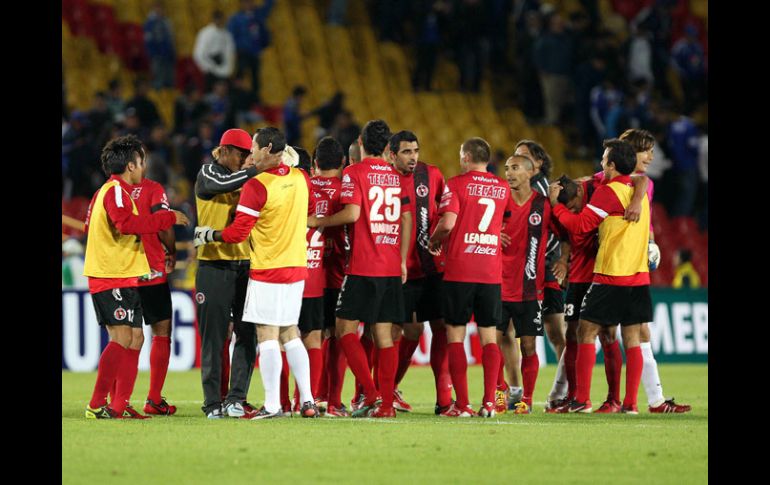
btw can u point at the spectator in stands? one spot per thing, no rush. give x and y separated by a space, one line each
79 157
604 98
115 101
249 30
72 265
197 150
638 50
588 75
689 62
703 170
292 116
159 153
145 108
218 101
431 19
656 19
471 26
328 112
189 109
214 51
243 105
345 130
337 13
494 162
530 94
683 147
100 120
133 126
685 275
159 44
553 56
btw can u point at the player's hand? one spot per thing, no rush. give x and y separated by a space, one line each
170 263
181 218
559 270
268 160
553 192
403 273
653 254
505 239
633 212
249 162
434 247
312 221
203 235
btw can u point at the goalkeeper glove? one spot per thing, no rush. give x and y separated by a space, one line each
653 254
203 235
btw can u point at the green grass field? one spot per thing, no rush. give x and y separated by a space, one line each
413 448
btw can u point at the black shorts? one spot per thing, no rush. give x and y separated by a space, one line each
156 303
311 314
121 306
461 300
612 305
553 301
574 300
371 299
527 318
330 304
423 296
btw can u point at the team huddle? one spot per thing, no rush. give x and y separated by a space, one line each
296 251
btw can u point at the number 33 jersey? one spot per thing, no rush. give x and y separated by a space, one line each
375 238
482 202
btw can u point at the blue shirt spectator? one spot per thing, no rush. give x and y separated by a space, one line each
249 27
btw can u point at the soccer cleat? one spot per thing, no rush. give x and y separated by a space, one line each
381 412
515 395
131 413
501 402
399 403
234 410
104 412
357 402
215 413
671 407
335 412
487 410
295 408
309 410
609 407
161 408
521 408
249 408
437 410
558 406
265 414
456 412
322 405
629 409
580 407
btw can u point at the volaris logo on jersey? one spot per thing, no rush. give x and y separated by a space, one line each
386 168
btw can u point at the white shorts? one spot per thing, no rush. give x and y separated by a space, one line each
276 304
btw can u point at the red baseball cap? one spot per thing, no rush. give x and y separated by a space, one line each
236 137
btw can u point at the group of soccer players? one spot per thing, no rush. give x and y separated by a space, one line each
305 254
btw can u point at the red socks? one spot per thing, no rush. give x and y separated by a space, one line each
439 363
501 384
109 364
586 358
368 345
335 371
490 359
285 403
458 369
613 365
570 361
634 366
357 361
224 384
323 384
316 366
406 348
530 365
159 356
388 362
125 380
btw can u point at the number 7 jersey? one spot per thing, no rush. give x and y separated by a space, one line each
375 238
482 202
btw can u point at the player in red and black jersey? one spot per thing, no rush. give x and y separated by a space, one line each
150 197
380 212
422 291
472 211
329 160
524 237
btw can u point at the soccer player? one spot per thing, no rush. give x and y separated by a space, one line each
115 259
380 211
329 161
354 154
620 291
422 291
472 210
524 240
155 295
272 213
222 277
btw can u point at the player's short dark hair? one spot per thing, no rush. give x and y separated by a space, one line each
328 153
478 148
119 152
375 136
403 135
569 190
527 159
621 154
304 159
537 151
268 135
640 140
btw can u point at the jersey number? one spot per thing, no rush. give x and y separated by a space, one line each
315 239
392 202
486 219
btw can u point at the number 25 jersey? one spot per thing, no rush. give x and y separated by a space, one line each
375 238
481 201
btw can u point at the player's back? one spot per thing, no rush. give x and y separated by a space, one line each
335 237
473 251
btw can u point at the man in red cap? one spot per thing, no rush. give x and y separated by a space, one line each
223 274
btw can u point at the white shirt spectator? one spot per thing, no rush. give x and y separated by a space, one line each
213 43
